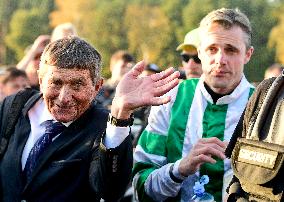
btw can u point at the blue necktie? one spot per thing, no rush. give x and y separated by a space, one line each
51 130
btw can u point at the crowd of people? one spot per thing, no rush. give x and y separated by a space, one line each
144 134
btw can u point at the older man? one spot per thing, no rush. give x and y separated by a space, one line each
60 150
184 138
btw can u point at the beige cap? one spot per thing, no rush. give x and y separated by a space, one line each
191 40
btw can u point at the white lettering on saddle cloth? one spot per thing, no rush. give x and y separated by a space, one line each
257 156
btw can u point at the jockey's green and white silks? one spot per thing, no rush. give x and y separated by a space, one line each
173 130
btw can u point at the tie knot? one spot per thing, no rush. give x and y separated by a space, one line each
53 128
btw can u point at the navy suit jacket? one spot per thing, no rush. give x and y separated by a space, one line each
75 167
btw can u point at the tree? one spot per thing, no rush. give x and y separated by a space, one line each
45 5
276 36
25 26
70 11
100 23
106 30
7 7
193 13
173 10
148 32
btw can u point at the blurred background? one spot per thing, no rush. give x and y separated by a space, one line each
149 29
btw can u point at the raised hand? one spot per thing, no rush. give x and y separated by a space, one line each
134 91
202 152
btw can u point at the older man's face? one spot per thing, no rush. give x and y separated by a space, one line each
223 55
67 93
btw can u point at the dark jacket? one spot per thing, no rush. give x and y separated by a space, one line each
76 166
258 116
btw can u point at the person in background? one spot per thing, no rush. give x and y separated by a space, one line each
13 80
30 62
184 139
120 63
273 71
64 147
191 63
63 30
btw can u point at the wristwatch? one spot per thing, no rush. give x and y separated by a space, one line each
120 122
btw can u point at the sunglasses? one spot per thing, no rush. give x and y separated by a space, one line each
186 58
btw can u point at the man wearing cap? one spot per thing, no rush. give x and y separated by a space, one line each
191 64
184 139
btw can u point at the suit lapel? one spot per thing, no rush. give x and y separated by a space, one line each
22 132
71 135
30 103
